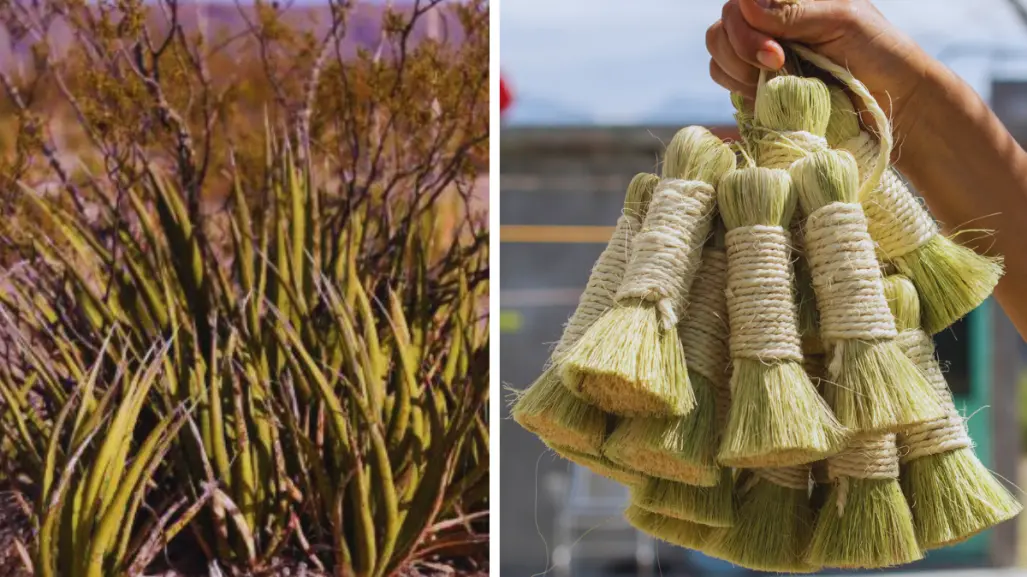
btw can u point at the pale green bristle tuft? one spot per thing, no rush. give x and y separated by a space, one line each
773 422
695 153
954 497
824 177
756 196
674 531
626 365
711 506
772 530
640 192
902 301
877 388
743 117
600 466
874 528
794 103
951 279
742 105
681 448
844 121
549 410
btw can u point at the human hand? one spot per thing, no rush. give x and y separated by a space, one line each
852 33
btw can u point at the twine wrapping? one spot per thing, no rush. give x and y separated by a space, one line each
662 266
603 282
870 456
936 436
895 218
761 306
846 275
796 477
779 149
704 331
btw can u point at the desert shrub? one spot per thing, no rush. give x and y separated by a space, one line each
284 362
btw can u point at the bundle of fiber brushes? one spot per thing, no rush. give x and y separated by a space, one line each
752 353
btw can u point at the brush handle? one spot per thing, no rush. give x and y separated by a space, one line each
846 275
664 255
942 435
704 330
897 221
761 305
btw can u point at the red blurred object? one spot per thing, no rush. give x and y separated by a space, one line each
505 96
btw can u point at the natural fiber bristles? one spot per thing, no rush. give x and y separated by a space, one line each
743 118
629 365
872 385
674 531
952 279
695 153
844 121
630 362
954 497
684 449
793 104
600 466
550 411
875 530
776 416
952 494
711 506
677 448
864 521
772 528
791 114
771 424
640 193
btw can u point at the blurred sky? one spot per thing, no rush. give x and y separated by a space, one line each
645 61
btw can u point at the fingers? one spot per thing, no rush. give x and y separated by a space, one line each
718 42
739 51
750 45
812 22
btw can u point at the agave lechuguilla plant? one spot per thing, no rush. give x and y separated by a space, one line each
311 387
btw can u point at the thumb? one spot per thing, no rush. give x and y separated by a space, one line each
808 21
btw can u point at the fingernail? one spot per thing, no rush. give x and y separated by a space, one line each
767 58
